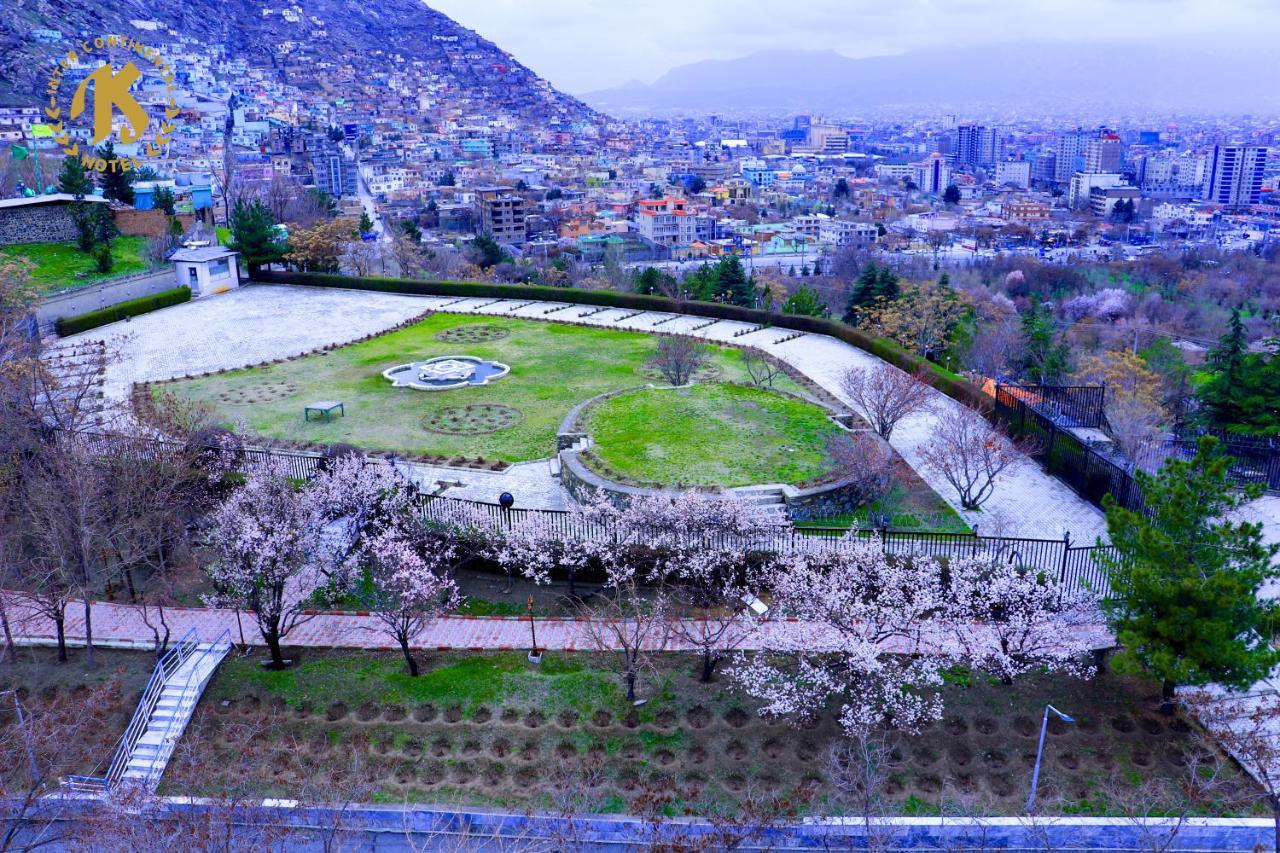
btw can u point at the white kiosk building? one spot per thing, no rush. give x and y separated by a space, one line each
206 269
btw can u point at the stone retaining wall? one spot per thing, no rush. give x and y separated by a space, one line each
38 223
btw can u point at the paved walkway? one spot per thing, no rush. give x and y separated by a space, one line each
263 322
122 623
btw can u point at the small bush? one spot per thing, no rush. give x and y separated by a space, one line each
113 313
102 258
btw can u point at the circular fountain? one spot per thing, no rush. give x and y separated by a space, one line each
445 372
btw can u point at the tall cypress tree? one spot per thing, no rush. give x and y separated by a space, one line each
73 180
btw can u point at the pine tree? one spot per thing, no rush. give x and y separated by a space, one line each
164 200
73 180
253 234
1184 602
732 283
366 224
116 185
1044 354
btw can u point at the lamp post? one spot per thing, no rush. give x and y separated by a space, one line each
1035 774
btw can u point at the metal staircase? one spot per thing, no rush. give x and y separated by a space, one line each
162 715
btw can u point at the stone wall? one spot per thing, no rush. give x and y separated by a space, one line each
37 223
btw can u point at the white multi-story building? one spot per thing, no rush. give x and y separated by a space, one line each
933 175
666 221
1015 172
842 233
1084 183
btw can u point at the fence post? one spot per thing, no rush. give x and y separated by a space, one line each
1066 549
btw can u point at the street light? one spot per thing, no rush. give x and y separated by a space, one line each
1035 774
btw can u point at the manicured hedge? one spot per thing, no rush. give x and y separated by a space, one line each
121 310
946 382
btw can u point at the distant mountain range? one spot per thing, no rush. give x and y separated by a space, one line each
1045 78
332 48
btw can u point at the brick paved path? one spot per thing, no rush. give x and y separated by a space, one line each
122 623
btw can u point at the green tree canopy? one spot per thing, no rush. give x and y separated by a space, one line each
366 223
1045 356
486 252
73 179
118 184
951 195
806 301
1184 601
1243 392
874 285
253 234
164 200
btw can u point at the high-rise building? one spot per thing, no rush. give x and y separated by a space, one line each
334 172
1068 155
1102 154
1235 174
933 175
975 145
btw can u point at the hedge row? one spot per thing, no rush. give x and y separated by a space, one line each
122 310
948 383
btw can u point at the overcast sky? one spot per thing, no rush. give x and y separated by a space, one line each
584 45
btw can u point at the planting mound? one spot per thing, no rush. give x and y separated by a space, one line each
472 420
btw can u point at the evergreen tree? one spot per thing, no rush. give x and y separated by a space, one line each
253 234
806 302
1184 601
116 185
732 283
486 251
1243 393
841 189
951 195
366 224
73 180
652 281
1044 355
874 283
164 200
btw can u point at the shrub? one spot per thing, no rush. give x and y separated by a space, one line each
120 311
102 258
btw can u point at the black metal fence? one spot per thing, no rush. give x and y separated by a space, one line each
1072 565
1255 460
1074 405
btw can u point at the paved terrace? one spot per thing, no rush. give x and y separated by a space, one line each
263 322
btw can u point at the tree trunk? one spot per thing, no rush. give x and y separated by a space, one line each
1166 700
60 625
90 662
709 662
272 639
408 656
10 650
631 685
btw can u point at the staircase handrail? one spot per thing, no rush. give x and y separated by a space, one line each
166 665
165 748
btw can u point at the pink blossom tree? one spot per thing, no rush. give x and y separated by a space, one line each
865 615
263 539
409 584
1008 620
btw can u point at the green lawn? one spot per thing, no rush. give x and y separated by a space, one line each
59 266
553 367
711 435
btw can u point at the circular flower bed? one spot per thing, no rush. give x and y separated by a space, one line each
474 334
265 392
476 419
706 372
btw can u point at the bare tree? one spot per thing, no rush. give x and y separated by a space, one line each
679 357
1244 726
629 621
762 369
858 769
884 395
968 452
865 465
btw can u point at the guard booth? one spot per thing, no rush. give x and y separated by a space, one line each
206 270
